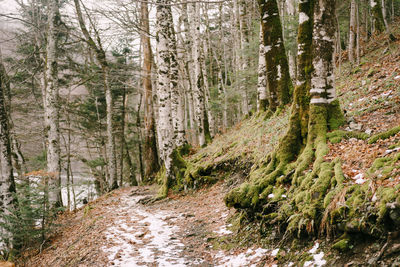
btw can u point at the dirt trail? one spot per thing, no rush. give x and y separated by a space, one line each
116 230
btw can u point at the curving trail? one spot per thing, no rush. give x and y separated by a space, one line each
173 233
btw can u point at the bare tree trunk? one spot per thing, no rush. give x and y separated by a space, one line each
210 116
262 94
51 107
377 16
177 111
139 129
358 34
198 83
352 34
102 59
244 43
165 125
17 156
384 13
150 144
7 185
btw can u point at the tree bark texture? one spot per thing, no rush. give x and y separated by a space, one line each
377 16
198 83
165 123
150 143
278 77
52 106
7 185
353 30
262 93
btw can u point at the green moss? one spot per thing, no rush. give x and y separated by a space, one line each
337 136
384 135
344 243
336 117
371 72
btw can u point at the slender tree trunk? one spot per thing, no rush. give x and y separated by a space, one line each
7 185
139 129
122 139
357 34
150 144
262 94
243 64
17 156
377 16
384 14
198 83
52 107
102 59
352 35
210 117
278 77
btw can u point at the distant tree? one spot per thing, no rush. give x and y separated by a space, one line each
52 105
7 185
150 143
104 64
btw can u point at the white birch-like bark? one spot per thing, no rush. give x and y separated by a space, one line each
198 83
165 124
188 73
243 65
52 106
224 56
262 94
207 106
7 185
384 13
177 112
352 34
323 77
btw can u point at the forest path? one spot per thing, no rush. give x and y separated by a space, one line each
173 232
116 230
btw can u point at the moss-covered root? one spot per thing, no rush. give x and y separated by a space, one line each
255 193
179 166
384 135
337 136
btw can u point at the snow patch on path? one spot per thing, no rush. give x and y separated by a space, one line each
318 259
140 238
248 258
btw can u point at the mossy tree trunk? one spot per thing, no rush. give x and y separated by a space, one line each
278 77
315 110
150 144
170 124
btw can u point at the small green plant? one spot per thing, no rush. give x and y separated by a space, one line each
32 220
